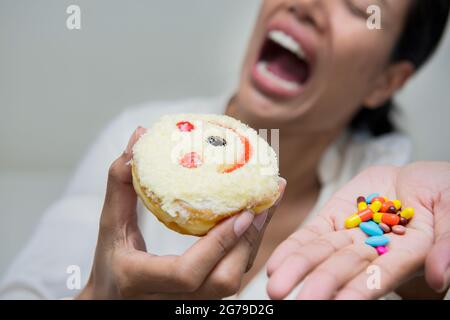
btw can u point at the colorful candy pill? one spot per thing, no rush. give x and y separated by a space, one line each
371 228
403 221
382 250
370 197
360 199
362 216
362 206
384 227
400 230
352 221
407 213
381 199
377 217
365 215
388 207
397 204
376 206
390 219
377 241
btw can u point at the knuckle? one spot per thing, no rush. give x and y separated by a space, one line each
114 170
124 283
186 280
226 283
222 243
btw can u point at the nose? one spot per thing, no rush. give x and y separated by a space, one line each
312 12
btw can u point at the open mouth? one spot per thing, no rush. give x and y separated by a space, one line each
283 67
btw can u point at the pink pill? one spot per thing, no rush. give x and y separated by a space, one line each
382 250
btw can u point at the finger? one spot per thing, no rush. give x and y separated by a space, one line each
261 222
203 256
295 267
186 273
388 272
437 265
120 199
336 271
218 243
313 230
225 279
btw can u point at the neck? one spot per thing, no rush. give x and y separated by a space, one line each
299 154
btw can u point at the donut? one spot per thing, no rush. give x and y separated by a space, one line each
193 171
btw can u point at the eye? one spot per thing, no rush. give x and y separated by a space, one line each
216 141
185 126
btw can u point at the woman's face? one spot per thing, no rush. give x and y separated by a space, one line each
315 62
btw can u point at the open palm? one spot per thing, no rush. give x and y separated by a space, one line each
332 261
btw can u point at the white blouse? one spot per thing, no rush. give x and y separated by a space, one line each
67 233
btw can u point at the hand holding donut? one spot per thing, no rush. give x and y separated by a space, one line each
211 268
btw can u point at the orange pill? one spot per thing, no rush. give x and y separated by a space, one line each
390 219
386 207
381 199
365 215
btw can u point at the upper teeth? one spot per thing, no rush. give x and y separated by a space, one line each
287 42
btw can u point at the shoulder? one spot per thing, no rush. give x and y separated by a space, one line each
389 149
354 152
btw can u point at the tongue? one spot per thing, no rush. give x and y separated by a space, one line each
289 67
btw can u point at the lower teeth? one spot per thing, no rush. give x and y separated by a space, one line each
288 85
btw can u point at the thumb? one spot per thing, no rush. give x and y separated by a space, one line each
120 200
437 265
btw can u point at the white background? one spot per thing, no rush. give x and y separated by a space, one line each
58 88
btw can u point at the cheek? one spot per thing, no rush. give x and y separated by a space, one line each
266 11
358 57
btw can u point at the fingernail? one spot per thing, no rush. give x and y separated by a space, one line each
260 220
134 137
243 222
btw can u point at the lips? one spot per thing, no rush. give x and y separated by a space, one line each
285 61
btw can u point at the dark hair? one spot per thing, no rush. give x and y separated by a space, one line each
423 30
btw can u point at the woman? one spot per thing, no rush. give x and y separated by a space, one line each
310 66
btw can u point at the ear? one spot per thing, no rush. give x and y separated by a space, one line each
392 79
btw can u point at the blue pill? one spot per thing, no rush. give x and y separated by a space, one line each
377 241
371 228
370 197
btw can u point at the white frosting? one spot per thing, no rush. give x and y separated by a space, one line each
157 157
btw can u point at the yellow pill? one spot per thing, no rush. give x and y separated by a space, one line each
386 199
362 206
377 216
397 204
376 206
352 221
408 213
